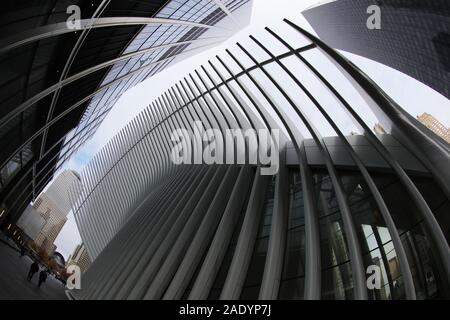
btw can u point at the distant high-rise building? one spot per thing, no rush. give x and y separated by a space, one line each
435 125
80 257
58 190
379 129
53 205
57 87
31 222
414 35
54 219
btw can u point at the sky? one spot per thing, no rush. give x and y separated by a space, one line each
414 96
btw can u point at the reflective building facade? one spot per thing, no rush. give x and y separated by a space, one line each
337 206
414 37
158 43
59 81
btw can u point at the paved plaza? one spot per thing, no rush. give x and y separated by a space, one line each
13 279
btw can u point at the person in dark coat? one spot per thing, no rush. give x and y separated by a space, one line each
33 269
42 277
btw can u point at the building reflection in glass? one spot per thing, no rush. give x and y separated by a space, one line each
374 237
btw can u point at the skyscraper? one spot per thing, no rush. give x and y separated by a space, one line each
435 125
161 46
378 128
53 205
31 222
58 189
414 35
54 221
58 86
80 258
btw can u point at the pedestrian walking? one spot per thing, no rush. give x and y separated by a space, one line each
42 277
33 269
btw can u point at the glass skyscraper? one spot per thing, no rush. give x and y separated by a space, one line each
414 37
59 82
160 42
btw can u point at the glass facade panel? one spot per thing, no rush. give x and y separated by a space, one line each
197 11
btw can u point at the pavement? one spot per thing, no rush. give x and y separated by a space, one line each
13 279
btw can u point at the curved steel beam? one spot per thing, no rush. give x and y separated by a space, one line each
102 6
27 104
424 144
223 7
397 115
404 265
82 74
61 28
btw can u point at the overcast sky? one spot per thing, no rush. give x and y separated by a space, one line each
415 97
